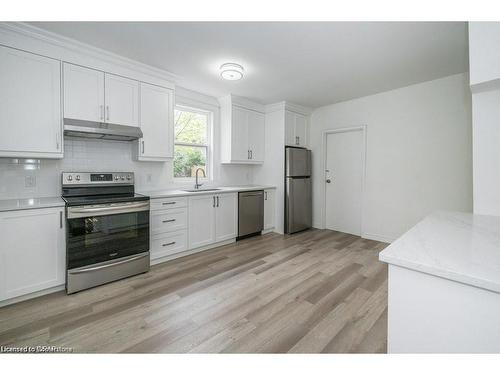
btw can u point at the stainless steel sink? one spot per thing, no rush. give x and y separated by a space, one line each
200 190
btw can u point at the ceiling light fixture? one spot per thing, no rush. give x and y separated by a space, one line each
231 71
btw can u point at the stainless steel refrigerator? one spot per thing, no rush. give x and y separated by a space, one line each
298 196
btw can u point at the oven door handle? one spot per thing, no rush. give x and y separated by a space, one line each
76 212
90 269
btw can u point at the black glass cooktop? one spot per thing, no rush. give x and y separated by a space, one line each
103 199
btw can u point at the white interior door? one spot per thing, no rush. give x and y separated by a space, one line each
343 181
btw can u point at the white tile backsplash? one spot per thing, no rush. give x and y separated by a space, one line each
85 155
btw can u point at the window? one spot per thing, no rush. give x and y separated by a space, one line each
192 136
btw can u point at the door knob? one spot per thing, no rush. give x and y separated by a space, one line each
328 181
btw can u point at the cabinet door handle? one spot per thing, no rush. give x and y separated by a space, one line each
214 201
143 147
168 221
169 244
57 141
101 111
265 195
165 203
107 113
217 201
251 154
60 219
248 154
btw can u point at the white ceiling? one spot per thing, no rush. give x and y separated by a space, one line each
308 63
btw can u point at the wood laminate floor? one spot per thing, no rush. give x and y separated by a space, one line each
317 291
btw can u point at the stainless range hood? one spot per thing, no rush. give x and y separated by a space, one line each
100 130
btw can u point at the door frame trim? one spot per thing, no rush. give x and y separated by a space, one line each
325 133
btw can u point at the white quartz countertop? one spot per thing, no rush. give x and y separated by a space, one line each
30 203
221 189
457 246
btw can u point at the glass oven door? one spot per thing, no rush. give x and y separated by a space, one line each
100 233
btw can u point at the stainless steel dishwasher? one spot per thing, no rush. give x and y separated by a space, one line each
250 213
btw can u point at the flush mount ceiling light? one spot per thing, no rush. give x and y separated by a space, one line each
231 71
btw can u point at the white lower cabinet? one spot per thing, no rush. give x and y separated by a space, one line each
32 251
269 209
181 224
201 221
212 218
226 217
166 244
168 220
169 224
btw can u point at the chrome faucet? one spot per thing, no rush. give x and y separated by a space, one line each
197 185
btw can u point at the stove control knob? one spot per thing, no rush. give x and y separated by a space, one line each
78 177
129 177
70 178
122 178
116 178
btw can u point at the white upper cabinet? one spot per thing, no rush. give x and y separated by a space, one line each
242 131
92 95
295 129
256 133
83 93
156 122
301 130
226 216
30 105
239 149
121 97
36 261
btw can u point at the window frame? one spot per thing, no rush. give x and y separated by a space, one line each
208 145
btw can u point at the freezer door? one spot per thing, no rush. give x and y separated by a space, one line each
298 210
298 162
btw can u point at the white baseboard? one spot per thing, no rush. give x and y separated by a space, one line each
25 297
270 230
318 226
377 237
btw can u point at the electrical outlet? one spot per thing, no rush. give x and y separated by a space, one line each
30 181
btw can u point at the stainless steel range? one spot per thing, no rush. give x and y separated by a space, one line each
107 228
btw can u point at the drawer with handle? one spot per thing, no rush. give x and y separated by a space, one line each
168 203
168 244
168 220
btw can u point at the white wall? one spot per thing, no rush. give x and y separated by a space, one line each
418 157
101 156
484 54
